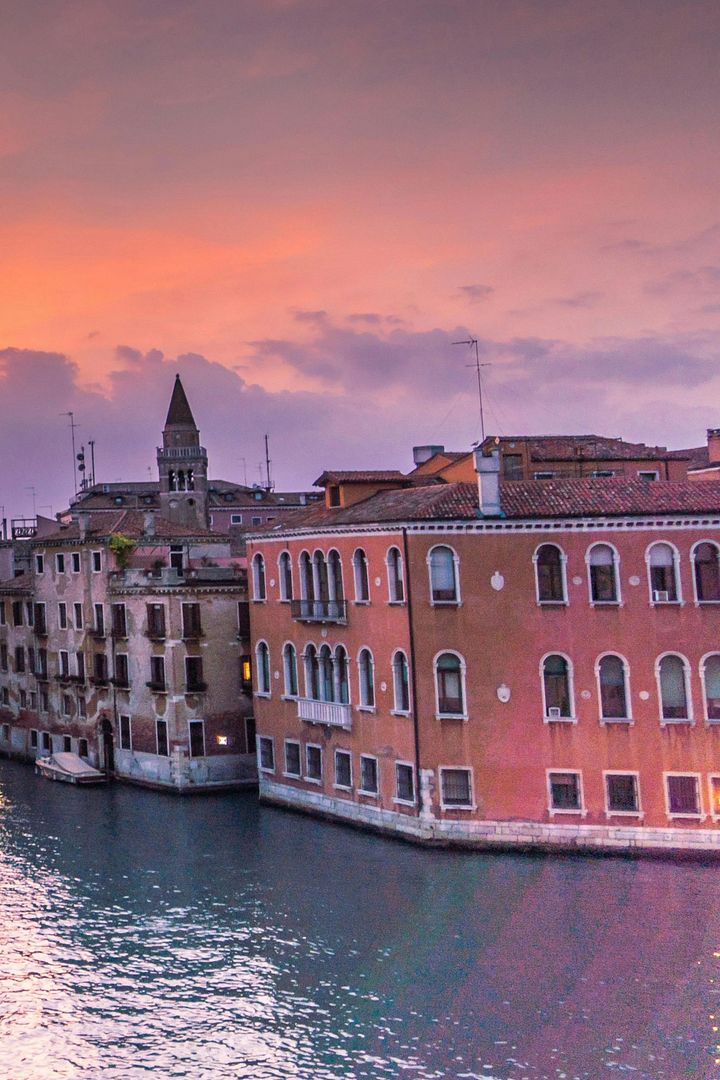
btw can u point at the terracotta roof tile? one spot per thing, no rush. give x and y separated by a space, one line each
360 476
130 523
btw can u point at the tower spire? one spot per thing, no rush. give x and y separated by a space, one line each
179 413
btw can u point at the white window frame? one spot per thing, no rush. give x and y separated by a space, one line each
258 669
693 549
287 696
60 557
472 805
678 577
257 559
701 668
281 576
196 720
581 811
639 813
563 570
128 717
261 767
395 711
648 474
286 772
618 601
690 718
314 779
457 602
463 685
236 519
628 719
572 719
700 815
63 615
391 599
362 706
75 558
347 754
96 557
39 562
405 802
362 790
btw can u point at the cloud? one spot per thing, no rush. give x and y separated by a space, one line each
706 279
579 300
475 293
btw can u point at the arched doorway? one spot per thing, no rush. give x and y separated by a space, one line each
107 746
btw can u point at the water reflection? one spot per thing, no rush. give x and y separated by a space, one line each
209 938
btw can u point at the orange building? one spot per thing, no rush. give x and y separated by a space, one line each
530 663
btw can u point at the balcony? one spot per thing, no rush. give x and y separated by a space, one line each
157 687
319 611
196 688
329 713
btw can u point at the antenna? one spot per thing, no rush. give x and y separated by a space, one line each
244 465
91 444
268 483
73 425
473 341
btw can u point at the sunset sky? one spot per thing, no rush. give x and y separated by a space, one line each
301 204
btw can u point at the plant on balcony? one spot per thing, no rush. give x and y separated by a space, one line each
122 548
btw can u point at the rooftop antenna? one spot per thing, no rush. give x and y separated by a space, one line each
73 425
268 482
91 444
473 341
244 465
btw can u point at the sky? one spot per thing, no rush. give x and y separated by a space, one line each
301 204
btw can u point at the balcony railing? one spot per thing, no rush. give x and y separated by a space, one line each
332 611
330 713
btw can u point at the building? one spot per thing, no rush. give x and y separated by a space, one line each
512 663
125 638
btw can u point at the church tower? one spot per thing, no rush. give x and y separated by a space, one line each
182 464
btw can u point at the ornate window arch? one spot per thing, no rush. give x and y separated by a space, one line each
603 563
556 676
444 569
613 681
673 680
663 564
550 563
705 558
450 696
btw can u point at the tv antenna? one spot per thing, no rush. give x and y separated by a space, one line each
473 342
73 425
268 482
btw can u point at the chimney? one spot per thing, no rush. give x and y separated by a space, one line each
713 441
421 454
488 470
149 522
83 523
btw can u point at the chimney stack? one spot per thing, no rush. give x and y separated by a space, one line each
421 454
713 442
488 470
83 523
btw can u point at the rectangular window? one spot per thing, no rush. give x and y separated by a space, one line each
125 732
683 795
119 620
17 612
334 495
343 769
512 466
78 615
368 775
256 521
243 610
100 668
45 741
715 796
266 754
156 621
67 744
40 620
6 732
648 474
603 473
39 563
82 709
19 658
192 627
197 738
42 663
544 475
157 672
5 696
456 787
75 562
33 700
236 519
194 674
313 763
564 791
99 620
3 618
33 738
404 783
122 676
3 656
292 758
29 613
622 793
82 748
64 656
60 562
44 701
23 699
31 660
97 561
67 705
161 732
62 615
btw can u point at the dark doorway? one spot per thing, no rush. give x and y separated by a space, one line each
107 747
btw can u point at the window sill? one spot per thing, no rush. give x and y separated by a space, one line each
407 712
612 720
404 802
712 723
361 603
366 708
687 817
606 603
312 780
454 806
287 697
445 603
342 787
671 721
560 720
706 603
292 776
397 603
450 716
575 813
667 603
265 769
259 600
261 694
624 813
553 603
369 794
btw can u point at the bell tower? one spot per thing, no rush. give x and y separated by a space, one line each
182 465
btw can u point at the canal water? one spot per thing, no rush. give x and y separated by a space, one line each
142 934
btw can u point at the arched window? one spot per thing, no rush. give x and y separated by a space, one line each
262 667
312 672
366 677
325 666
181 480
550 576
285 575
307 587
443 575
612 675
556 687
290 670
711 684
172 480
707 573
672 672
396 585
341 689
320 577
449 680
258 565
360 573
335 584
663 574
401 682
603 574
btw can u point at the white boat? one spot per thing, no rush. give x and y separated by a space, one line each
69 768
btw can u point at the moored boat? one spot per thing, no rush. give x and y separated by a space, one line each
68 768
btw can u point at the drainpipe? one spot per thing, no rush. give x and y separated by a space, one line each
413 677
